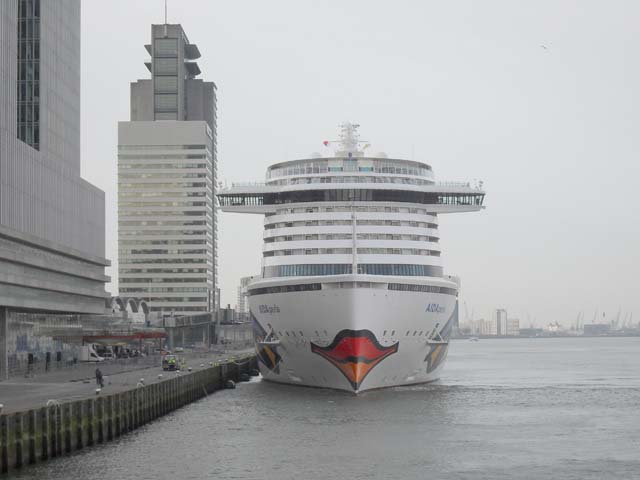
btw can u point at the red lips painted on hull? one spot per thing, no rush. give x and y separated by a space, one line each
355 353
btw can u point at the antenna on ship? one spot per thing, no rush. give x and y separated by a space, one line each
349 143
349 137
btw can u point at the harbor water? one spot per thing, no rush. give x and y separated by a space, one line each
562 408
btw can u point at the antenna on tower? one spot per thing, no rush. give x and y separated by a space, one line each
165 12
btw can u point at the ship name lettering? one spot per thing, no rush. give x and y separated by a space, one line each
435 308
270 309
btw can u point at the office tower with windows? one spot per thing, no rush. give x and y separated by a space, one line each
501 322
167 161
242 306
52 223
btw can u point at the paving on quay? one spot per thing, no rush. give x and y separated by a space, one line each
17 394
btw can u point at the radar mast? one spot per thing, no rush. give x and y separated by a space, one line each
349 141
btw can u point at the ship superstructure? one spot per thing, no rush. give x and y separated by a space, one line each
352 293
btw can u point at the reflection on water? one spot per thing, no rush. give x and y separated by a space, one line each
562 408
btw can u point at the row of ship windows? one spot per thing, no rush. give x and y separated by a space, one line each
358 179
316 223
284 211
406 287
349 251
402 287
348 236
336 194
322 166
310 270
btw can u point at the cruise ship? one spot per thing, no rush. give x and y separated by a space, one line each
352 294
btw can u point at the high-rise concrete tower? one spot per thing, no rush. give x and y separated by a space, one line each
167 169
52 222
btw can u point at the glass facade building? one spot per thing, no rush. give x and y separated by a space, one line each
29 72
167 170
52 221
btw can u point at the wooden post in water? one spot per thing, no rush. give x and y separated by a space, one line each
66 426
31 415
44 433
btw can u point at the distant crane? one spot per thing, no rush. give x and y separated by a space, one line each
615 323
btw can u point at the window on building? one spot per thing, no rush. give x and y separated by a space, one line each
166 102
165 66
166 84
165 47
28 74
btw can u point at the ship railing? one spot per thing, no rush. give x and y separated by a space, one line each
248 184
475 185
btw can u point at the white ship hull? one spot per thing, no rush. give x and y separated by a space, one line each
352 293
353 339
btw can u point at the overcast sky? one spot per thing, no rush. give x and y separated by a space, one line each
539 99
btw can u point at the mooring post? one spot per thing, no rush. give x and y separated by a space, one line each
66 425
17 440
31 415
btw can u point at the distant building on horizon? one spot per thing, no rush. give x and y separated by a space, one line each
242 307
167 171
595 329
500 319
52 221
513 327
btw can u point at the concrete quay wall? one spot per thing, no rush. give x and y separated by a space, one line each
37 435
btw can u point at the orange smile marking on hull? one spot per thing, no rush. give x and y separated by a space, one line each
355 353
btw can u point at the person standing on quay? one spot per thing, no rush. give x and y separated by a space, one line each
99 378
